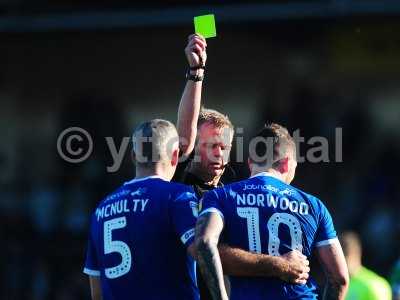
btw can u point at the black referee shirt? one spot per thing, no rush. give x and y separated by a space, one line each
200 187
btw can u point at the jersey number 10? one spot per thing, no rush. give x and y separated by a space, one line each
253 229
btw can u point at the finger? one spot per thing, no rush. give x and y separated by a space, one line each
193 47
203 47
202 41
303 270
299 254
200 36
198 42
304 275
307 262
196 48
300 281
191 36
194 43
197 38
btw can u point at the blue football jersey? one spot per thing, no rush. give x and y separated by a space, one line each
138 241
263 214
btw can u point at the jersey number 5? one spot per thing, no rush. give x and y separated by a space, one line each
115 246
253 229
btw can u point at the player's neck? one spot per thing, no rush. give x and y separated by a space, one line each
147 172
270 172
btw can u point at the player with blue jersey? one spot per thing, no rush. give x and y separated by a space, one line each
141 234
264 214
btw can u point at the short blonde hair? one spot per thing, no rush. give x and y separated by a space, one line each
215 118
153 141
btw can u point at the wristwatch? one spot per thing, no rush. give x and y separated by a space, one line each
194 78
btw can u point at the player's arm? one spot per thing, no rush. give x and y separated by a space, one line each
334 265
292 267
189 106
330 254
92 267
208 229
95 288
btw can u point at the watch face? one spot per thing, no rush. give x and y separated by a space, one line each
193 77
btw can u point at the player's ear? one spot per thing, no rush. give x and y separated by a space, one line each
249 164
175 157
283 165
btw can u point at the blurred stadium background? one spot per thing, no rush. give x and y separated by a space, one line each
107 65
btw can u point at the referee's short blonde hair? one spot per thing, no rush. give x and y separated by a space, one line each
215 118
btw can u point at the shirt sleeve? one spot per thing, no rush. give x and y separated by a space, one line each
91 267
211 202
326 233
184 215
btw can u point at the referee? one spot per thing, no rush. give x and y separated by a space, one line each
205 143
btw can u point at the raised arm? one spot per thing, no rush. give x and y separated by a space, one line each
208 230
292 267
334 265
189 106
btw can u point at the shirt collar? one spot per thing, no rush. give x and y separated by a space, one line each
144 178
263 174
267 174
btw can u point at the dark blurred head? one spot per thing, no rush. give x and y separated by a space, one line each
352 250
213 143
155 146
273 148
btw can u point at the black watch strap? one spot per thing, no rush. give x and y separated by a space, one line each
194 77
197 67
